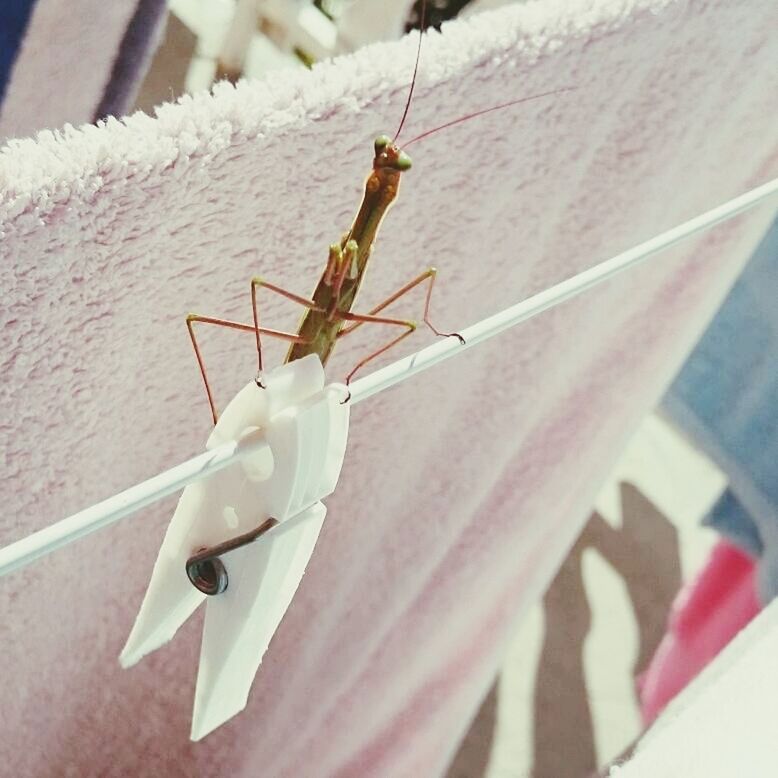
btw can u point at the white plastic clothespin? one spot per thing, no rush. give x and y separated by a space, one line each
246 533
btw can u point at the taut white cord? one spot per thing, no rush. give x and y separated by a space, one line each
487 328
135 498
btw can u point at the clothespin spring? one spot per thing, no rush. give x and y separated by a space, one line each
206 570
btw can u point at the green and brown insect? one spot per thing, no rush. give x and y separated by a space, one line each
330 315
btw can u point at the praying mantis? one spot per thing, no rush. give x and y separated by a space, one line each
329 314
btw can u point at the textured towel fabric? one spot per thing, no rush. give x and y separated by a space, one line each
726 398
463 488
707 613
78 59
724 723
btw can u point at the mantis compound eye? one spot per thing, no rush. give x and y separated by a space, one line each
381 143
403 162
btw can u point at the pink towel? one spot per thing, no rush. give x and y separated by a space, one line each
462 489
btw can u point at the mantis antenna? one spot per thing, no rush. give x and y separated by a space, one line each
415 71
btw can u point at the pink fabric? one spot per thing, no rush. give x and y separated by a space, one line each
463 488
707 613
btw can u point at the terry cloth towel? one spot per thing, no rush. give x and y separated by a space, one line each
723 724
726 398
462 489
78 60
706 614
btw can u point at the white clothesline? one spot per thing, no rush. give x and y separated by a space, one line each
132 500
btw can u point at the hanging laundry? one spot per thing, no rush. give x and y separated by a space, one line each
463 488
726 399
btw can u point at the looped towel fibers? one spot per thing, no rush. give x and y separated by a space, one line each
462 489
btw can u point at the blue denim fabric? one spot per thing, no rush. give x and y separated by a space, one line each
726 399
14 16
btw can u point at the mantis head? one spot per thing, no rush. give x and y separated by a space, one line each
388 154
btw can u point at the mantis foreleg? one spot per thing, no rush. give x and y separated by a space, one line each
256 282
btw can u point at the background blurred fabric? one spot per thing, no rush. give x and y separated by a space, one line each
72 61
707 613
14 15
726 399
723 724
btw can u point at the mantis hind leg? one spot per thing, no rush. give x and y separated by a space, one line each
190 321
359 319
428 275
